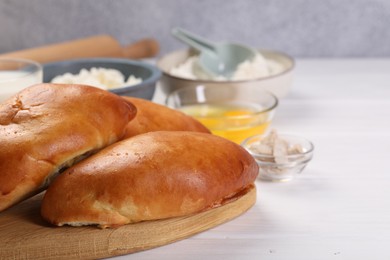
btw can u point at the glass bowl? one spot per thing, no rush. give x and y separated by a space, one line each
285 167
234 112
17 74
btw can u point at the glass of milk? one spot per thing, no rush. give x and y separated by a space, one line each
17 74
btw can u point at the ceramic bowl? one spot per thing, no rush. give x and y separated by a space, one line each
279 84
147 72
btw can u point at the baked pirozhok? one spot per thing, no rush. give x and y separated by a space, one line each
151 176
155 117
49 127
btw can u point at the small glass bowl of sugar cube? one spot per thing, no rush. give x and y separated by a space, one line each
280 157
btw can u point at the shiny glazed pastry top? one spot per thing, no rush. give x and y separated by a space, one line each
150 176
154 117
48 127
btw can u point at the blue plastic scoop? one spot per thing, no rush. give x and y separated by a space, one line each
215 59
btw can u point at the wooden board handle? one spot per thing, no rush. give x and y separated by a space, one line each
95 46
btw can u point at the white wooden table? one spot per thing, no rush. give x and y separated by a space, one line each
339 208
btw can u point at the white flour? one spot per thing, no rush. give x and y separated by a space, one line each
259 67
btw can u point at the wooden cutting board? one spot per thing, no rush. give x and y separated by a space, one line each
25 235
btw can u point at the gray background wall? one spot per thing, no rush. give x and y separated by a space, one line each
302 28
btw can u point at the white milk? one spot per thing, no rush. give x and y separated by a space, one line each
12 82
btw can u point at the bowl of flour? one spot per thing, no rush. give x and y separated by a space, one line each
269 70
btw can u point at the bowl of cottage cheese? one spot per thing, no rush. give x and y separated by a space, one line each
269 70
121 76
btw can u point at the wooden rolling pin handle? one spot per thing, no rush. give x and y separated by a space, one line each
95 46
145 48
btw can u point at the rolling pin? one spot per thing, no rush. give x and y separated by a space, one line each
95 46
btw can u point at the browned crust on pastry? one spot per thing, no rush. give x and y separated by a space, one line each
47 127
155 117
151 176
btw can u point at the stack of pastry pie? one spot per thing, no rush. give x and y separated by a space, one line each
107 160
